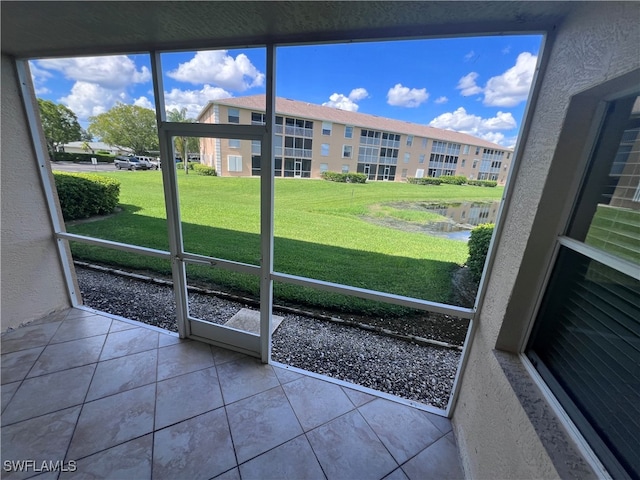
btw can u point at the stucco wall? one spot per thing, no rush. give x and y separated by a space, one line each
595 43
32 280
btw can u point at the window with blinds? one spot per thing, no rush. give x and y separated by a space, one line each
586 339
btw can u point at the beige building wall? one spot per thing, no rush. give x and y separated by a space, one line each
420 146
32 279
596 43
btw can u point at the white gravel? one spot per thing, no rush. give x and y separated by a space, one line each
406 369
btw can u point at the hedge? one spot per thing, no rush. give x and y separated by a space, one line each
424 180
200 169
83 157
83 195
344 177
453 179
478 248
180 165
482 183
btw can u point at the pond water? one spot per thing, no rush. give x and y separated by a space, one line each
459 218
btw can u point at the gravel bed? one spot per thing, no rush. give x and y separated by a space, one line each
408 370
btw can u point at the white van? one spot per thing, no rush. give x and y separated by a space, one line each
150 162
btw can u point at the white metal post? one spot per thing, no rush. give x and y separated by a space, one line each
42 156
266 210
170 184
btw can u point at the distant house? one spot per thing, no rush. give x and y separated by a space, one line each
92 147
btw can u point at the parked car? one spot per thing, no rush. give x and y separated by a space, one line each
150 162
129 163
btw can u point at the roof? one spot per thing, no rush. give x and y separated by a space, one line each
285 106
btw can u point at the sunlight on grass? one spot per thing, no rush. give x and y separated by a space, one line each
320 229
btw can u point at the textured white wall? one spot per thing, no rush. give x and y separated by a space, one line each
32 280
598 41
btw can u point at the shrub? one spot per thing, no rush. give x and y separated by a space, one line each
83 157
83 195
453 179
200 169
478 248
344 177
424 181
482 183
180 165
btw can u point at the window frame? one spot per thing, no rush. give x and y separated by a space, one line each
583 120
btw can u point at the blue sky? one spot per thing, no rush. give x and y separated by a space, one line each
477 85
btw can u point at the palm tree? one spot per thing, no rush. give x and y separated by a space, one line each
181 143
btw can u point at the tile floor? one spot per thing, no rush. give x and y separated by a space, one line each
123 401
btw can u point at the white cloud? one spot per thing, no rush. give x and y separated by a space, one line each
487 128
144 102
88 99
512 87
193 100
469 56
400 96
111 72
220 69
347 102
441 100
100 82
506 90
467 85
39 76
506 49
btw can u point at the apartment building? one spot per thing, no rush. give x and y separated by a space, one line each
311 139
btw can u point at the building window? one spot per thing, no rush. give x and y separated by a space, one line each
463 162
407 157
324 149
424 143
585 338
477 150
420 173
465 151
347 151
475 164
255 165
345 168
508 155
234 143
257 118
421 158
233 115
256 147
348 132
326 128
403 174
409 140
324 167
234 163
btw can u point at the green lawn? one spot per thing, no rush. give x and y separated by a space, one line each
320 228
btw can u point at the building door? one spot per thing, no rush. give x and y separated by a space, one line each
385 175
297 169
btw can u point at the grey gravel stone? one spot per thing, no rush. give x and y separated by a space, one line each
421 373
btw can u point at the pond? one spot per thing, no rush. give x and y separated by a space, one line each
449 220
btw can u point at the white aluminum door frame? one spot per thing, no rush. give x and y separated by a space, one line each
189 327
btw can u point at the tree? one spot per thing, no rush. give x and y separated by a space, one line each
126 126
59 123
183 144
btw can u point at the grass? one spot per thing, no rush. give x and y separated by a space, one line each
320 232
